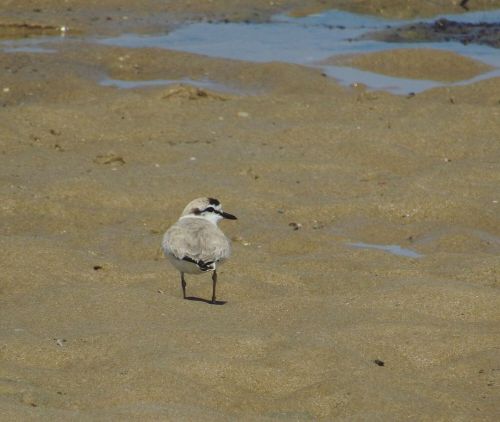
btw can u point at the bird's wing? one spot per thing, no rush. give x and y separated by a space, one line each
196 239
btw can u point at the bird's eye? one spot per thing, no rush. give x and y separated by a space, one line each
209 209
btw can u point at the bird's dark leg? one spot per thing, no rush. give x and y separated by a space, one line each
214 282
183 283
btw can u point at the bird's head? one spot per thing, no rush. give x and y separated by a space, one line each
207 208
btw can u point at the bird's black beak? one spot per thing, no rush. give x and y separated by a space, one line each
228 216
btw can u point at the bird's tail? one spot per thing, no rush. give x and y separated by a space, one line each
202 265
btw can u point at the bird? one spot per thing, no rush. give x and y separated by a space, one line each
195 244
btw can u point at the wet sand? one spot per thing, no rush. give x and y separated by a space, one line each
93 325
422 63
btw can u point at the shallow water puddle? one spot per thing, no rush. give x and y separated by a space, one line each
394 249
28 45
311 40
202 84
28 49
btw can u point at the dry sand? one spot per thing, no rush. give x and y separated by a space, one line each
93 326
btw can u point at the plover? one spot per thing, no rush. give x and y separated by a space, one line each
194 244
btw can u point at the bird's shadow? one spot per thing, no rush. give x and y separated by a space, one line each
199 299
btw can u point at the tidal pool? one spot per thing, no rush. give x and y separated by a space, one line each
306 41
312 39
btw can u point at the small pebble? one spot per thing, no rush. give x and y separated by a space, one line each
109 159
379 362
295 226
317 225
60 341
243 114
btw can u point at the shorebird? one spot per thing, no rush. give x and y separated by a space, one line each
194 244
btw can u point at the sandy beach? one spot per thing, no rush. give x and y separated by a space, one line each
364 281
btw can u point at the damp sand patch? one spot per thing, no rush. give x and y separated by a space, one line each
427 64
